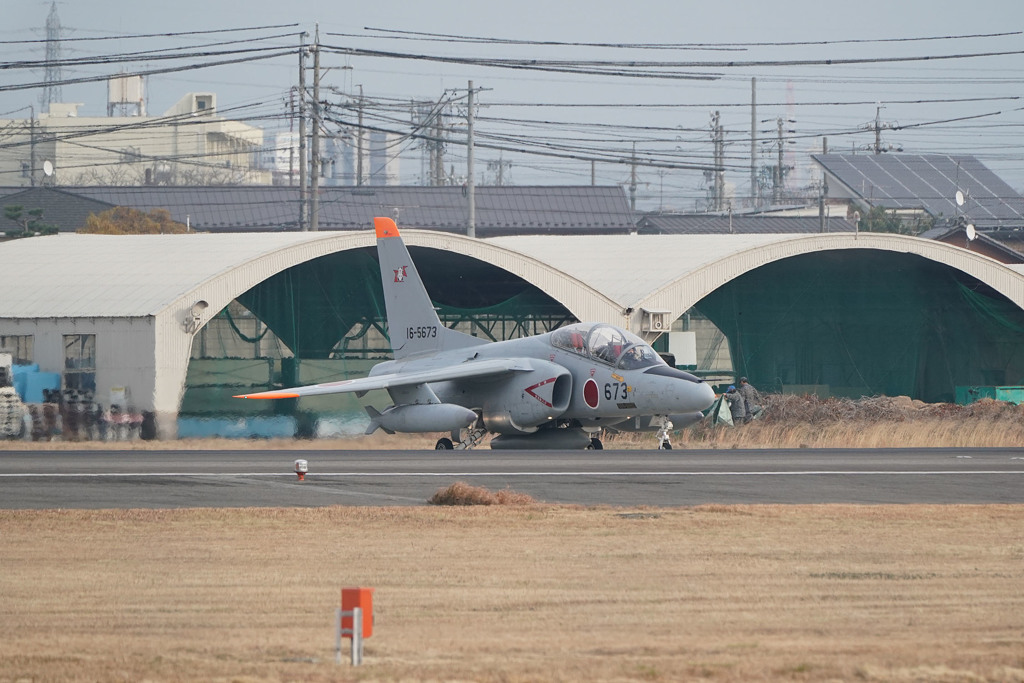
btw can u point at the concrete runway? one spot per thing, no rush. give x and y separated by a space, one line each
265 478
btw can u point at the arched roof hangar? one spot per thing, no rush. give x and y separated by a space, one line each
836 340
581 298
594 277
692 286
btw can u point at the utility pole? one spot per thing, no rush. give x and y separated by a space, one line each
359 140
878 126
422 118
499 166
779 176
291 140
437 154
717 136
32 145
434 144
314 194
755 199
823 195
713 203
470 183
632 181
302 134
878 129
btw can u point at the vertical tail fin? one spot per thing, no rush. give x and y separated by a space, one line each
413 324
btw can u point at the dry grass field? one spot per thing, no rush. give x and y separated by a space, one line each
870 422
787 422
517 593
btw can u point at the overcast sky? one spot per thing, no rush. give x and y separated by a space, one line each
677 134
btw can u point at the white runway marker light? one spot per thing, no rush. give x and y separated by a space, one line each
301 468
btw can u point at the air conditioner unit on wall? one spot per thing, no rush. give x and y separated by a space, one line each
656 321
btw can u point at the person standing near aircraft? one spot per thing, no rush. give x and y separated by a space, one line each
751 399
737 405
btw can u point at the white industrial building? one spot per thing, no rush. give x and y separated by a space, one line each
188 144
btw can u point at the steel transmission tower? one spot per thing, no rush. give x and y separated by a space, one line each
52 79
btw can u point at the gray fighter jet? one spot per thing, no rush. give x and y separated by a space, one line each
557 390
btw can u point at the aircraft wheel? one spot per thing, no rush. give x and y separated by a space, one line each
444 444
664 446
595 445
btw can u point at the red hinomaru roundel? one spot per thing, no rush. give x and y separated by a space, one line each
590 393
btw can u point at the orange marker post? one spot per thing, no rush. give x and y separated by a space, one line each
354 620
363 599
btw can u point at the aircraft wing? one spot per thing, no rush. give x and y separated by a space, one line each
467 370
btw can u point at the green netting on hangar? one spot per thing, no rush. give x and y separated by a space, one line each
841 322
327 307
861 323
325 320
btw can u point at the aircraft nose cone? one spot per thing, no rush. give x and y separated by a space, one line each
707 395
691 393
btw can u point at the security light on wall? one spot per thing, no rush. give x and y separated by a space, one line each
194 316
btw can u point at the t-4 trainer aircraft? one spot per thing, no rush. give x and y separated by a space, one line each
556 390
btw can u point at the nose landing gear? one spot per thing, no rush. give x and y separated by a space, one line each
664 444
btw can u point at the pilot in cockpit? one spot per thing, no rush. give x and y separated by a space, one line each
632 358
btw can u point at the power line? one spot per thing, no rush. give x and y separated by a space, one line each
152 72
626 69
746 105
568 142
449 37
549 150
129 36
636 67
146 56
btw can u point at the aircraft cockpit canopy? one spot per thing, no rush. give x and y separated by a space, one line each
607 344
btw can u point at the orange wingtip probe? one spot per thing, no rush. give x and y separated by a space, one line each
269 394
385 227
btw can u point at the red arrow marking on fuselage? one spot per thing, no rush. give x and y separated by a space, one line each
530 391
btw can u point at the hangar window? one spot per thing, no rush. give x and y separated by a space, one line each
19 346
80 362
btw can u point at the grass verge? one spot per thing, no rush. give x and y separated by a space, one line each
787 422
517 593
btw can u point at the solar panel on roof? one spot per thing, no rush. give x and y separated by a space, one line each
928 182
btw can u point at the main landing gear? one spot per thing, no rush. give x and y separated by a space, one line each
595 445
472 437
